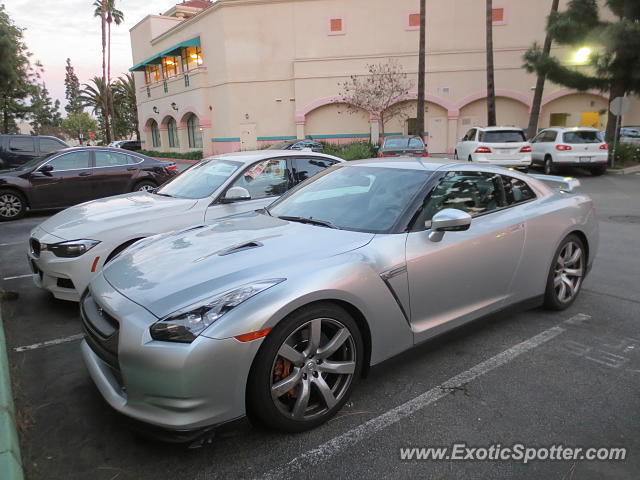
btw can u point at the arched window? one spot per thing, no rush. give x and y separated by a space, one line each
193 131
172 130
155 134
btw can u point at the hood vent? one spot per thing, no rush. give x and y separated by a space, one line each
240 248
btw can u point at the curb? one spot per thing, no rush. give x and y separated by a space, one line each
624 171
10 460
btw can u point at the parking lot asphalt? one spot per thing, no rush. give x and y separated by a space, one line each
533 377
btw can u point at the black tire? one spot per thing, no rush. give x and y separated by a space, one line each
268 412
470 159
13 205
549 168
597 171
144 185
455 155
552 299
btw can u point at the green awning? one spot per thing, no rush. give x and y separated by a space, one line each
169 52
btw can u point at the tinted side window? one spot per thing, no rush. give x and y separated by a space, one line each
71 161
304 168
22 144
111 159
265 179
48 145
471 192
516 190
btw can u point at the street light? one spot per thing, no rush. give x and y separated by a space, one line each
581 56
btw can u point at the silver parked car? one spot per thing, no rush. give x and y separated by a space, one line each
275 313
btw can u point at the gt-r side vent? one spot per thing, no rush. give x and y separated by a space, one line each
240 248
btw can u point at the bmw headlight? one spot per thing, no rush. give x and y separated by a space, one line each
186 324
71 248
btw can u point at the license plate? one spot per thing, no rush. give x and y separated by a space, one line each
584 159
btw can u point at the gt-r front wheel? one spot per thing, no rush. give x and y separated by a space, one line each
306 368
566 274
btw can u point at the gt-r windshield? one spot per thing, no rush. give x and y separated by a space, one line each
365 199
201 180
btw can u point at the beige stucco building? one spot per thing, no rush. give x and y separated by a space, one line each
239 74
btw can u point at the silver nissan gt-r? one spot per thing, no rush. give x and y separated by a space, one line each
275 313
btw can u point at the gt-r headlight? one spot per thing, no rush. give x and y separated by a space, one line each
71 248
186 324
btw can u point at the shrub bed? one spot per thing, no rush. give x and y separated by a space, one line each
196 155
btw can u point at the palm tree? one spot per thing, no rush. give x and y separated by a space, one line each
96 95
107 11
491 87
537 95
101 11
124 90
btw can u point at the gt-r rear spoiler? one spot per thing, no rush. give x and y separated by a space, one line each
566 184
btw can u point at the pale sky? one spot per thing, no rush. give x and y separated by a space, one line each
57 29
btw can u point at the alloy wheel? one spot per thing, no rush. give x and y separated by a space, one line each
313 369
145 188
548 167
10 205
568 272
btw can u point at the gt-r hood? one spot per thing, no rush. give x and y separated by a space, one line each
90 218
174 270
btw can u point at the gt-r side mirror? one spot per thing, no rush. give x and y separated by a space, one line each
448 220
236 194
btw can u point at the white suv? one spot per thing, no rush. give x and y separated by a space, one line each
504 146
578 147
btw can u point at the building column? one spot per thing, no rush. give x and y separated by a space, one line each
374 122
207 145
183 139
452 130
300 129
164 139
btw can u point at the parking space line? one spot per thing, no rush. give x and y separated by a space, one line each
335 446
18 276
10 244
50 343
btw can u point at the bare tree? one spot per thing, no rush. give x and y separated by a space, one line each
491 85
381 92
421 70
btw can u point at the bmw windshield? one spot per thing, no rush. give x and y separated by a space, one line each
364 199
201 180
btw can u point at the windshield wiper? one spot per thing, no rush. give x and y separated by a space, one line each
311 221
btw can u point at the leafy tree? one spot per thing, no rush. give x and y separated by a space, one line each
491 83
15 74
72 90
614 68
44 113
381 92
125 120
78 125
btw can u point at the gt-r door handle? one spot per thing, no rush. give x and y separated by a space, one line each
516 228
131 168
84 174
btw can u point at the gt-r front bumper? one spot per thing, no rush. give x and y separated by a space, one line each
179 387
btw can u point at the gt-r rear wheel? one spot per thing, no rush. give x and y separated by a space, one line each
566 274
306 368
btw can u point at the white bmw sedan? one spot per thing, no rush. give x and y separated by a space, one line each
67 250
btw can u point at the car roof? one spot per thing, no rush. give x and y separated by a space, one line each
401 162
251 156
498 128
571 129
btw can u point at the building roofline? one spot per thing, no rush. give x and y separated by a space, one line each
153 16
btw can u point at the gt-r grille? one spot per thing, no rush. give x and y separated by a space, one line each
35 246
101 330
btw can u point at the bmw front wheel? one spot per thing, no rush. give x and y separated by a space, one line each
305 370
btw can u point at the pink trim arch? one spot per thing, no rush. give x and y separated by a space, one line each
500 92
300 116
204 120
568 91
